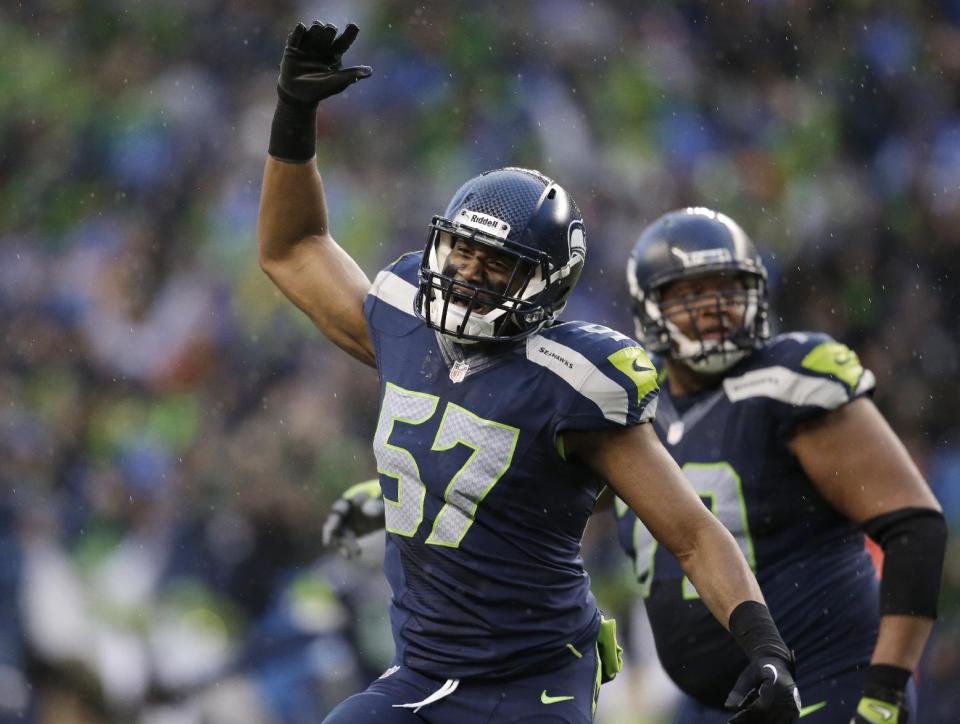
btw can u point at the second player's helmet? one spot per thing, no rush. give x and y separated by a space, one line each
518 213
687 244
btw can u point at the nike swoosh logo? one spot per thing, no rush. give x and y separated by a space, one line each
772 668
638 368
883 711
545 698
812 708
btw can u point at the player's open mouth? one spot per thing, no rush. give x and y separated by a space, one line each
714 334
477 308
464 301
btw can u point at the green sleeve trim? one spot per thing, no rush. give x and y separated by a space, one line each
662 377
835 358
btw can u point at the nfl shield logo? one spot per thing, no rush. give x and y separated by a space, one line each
459 371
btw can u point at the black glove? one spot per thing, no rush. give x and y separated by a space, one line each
354 514
883 694
765 693
310 70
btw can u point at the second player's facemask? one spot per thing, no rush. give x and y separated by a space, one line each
717 313
712 331
490 311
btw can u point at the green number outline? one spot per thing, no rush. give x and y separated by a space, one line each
689 592
433 538
422 489
646 578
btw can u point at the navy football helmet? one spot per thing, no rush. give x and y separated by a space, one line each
691 243
527 219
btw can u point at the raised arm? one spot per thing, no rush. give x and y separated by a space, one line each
863 470
296 249
640 470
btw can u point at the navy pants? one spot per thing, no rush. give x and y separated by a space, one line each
564 696
832 700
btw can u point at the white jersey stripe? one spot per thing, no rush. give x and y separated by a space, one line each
395 291
783 384
867 382
582 375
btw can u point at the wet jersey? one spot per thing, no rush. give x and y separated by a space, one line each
483 515
731 442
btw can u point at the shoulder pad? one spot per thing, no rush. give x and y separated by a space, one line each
389 304
802 369
406 267
815 353
609 369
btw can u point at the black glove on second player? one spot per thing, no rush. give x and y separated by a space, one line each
310 69
883 696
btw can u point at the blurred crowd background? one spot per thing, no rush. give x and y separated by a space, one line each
172 431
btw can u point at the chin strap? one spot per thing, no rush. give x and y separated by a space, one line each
714 363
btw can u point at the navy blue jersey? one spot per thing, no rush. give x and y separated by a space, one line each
810 561
483 514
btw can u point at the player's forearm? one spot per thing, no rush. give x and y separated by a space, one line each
896 656
292 208
671 510
901 641
718 570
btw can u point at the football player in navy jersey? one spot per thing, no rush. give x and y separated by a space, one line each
497 425
781 440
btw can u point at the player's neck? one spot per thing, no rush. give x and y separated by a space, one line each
684 381
481 349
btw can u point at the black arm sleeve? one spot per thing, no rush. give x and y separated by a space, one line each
913 542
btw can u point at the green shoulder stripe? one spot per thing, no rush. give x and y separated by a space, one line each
835 358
